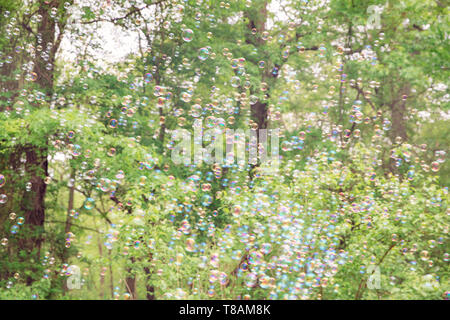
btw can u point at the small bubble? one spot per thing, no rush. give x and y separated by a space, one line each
203 54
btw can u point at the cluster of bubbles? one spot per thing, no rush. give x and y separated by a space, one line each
281 234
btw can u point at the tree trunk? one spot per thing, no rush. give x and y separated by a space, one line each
398 120
150 289
398 114
259 110
36 166
32 204
259 114
131 287
130 282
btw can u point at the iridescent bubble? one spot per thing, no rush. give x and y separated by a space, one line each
120 174
89 203
266 248
440 155
196 110
255 258
424 255
158 91
203 54
286 146
3 198
190 245
213 276
223 278
206 200
2 180
322 51
250 280
214 260
73 213
188 35
432 243
113 123
151 244
14 229
435 166
142 180
302 135
266 282
236 211
112 152
235 82
243 267
186 96
148 77
253 99
104 184
179 259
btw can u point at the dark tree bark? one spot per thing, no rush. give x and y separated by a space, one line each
150 289
398 119
32 204
257 20
259 113
398 114
36 166
130 282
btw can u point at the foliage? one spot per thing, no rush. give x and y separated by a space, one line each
87 179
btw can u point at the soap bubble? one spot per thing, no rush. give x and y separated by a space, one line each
235 82
89 203
190 245
188 35
203 54
14 229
